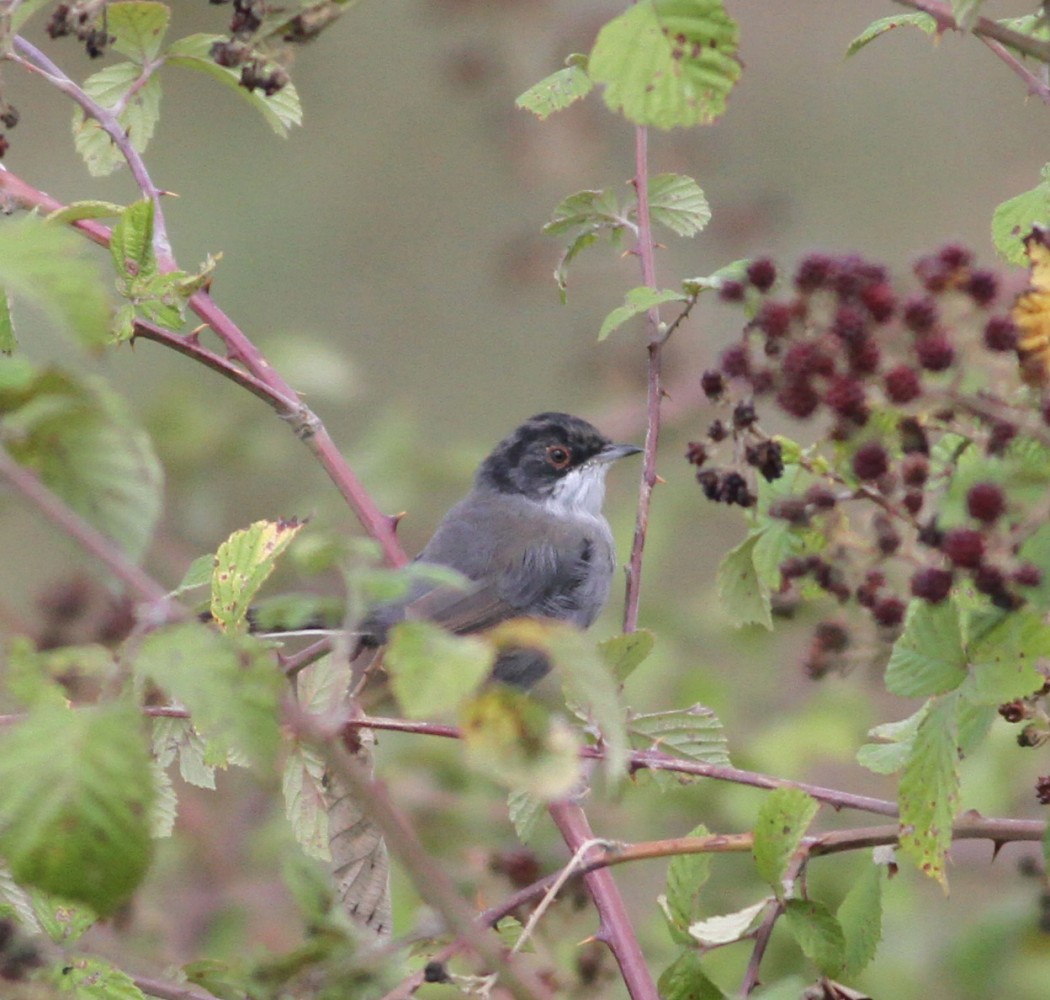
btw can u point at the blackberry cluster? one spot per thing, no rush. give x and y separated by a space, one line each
86 20
257 71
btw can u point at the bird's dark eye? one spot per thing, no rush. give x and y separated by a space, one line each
559 456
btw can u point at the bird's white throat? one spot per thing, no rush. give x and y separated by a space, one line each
580 491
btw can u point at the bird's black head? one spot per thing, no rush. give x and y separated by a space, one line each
543 451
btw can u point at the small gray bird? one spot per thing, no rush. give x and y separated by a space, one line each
530 537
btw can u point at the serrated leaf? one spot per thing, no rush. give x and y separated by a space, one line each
131 244
8 341
817 933
281 110
929 789
743 595
77 210
677 202
686 875
667 63
638 300
734 271
320 687
223 979
94 979
685 979
44 265
586 210
515 741
625 653
16 902
81 442
1003 661
1014 219
198 574
174 737
557 91
728 927
891 756
860 917
561 272
137 28
775 542
783 819
431 670
693 733
928 657
885 24
165 805
524 810
227 682
62 921
136 103
302 785
242 565
76 788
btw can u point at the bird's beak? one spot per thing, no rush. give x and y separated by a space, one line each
612 452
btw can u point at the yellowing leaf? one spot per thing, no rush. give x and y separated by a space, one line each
1031 311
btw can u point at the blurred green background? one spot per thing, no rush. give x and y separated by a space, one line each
388 258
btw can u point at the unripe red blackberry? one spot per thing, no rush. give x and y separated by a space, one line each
986 502
820 497
955 256
982 287
794 567
1000 334
798 398
762 381
849 324
713 383
845 395
870 461
935 352
762 273
880 301
864 356
813 272
964 547
913 501
731 291
774 319
790 509
902 384
889 612
920 314
933 274
1001 436
931 584
806 358
887 539
1027 575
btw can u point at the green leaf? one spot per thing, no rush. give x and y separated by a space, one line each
16 902
197 575
174 737
432 671
727 927
165 805
776 541
928 657
965 12
559 90
693 733
8 341
320 687
77 210
783 819
891 756
516 742
225 980
667 63
929 789
1003 661
76 789
135 101
745 598
860 917
242 565
885 24
1015 217
685 979
61 920
304 800
228 682
638 300
281 111
524 810
734 271
131 245
686 875
624 653
817 933
94 979
44 264
586 210
81 442
24 11
137 28
677 202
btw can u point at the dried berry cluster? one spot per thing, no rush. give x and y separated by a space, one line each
85 19
1032 711
893 375
257 71
9 119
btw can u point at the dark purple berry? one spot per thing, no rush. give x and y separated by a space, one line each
880 301
807 358
710 482
790 509
832 637
887 540
982 287
1001 436
955 256
695 453
762 381
1042 790
744 415
762 273
888 612
931 584
820 497
731 291
864 356
798 398
964 547
712 383
986 502
1000 334
935 352
774 319
767 458
849 324
717 431
735 362
989 580
1014 711
870 461
1027 575
902 384
920 315
845 395
913 437
915 469
933 274
813 272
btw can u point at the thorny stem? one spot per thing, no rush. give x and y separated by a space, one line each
984 27
170 991
655 338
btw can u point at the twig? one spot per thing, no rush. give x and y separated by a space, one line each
1036 87
89 538
615 928
984 27
170 991
654 388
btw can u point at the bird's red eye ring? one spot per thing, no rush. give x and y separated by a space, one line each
559 456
